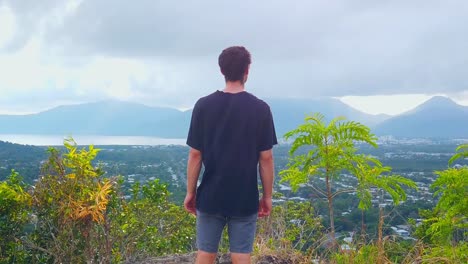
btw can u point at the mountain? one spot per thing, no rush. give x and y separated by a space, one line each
110 118
436 118
439 117
288 113
132 119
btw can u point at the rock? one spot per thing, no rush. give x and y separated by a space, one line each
223 259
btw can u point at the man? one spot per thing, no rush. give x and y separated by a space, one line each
231 132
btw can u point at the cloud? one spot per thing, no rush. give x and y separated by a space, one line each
165 52
29 19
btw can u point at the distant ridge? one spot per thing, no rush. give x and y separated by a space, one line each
439 117
115 118
289 113
112 118
23 153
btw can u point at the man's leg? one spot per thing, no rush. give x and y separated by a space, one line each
241 237
205 257
209 230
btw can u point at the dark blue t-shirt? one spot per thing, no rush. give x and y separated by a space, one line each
230 130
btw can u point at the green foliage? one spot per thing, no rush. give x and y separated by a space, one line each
13 195
24 159
446 254
15 205
332 148
149 225
366 254
395 252
80 216
462 152
451 212
331 151
377 176
74 214
291 226
70 201
398 251
304 228
445 227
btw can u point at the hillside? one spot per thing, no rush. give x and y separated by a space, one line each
439 117
22 158
17 152
146 196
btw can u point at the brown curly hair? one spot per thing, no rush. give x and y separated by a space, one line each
234 62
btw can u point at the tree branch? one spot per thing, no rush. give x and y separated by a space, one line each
318 190
343 191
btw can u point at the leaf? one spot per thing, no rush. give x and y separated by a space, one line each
462 153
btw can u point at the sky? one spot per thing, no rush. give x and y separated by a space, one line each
377 56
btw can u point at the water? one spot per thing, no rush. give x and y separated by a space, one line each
56 140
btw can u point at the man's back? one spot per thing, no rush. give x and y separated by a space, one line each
231 132
230 129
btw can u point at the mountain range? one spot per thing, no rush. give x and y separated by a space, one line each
439 117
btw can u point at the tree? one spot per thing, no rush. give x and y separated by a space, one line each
451 212
291 226
379 177
84 217
148 224
70 201
15 205
331 151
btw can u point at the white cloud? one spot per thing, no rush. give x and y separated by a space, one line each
460 98
386 104
7 25
165 52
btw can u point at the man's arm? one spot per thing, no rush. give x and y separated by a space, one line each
193 171
266 168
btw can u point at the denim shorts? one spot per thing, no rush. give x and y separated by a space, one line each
241 232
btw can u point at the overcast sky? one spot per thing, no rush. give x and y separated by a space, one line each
378 56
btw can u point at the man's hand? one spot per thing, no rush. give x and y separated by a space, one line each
190 204
264 208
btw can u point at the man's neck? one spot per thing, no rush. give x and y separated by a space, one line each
234 87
